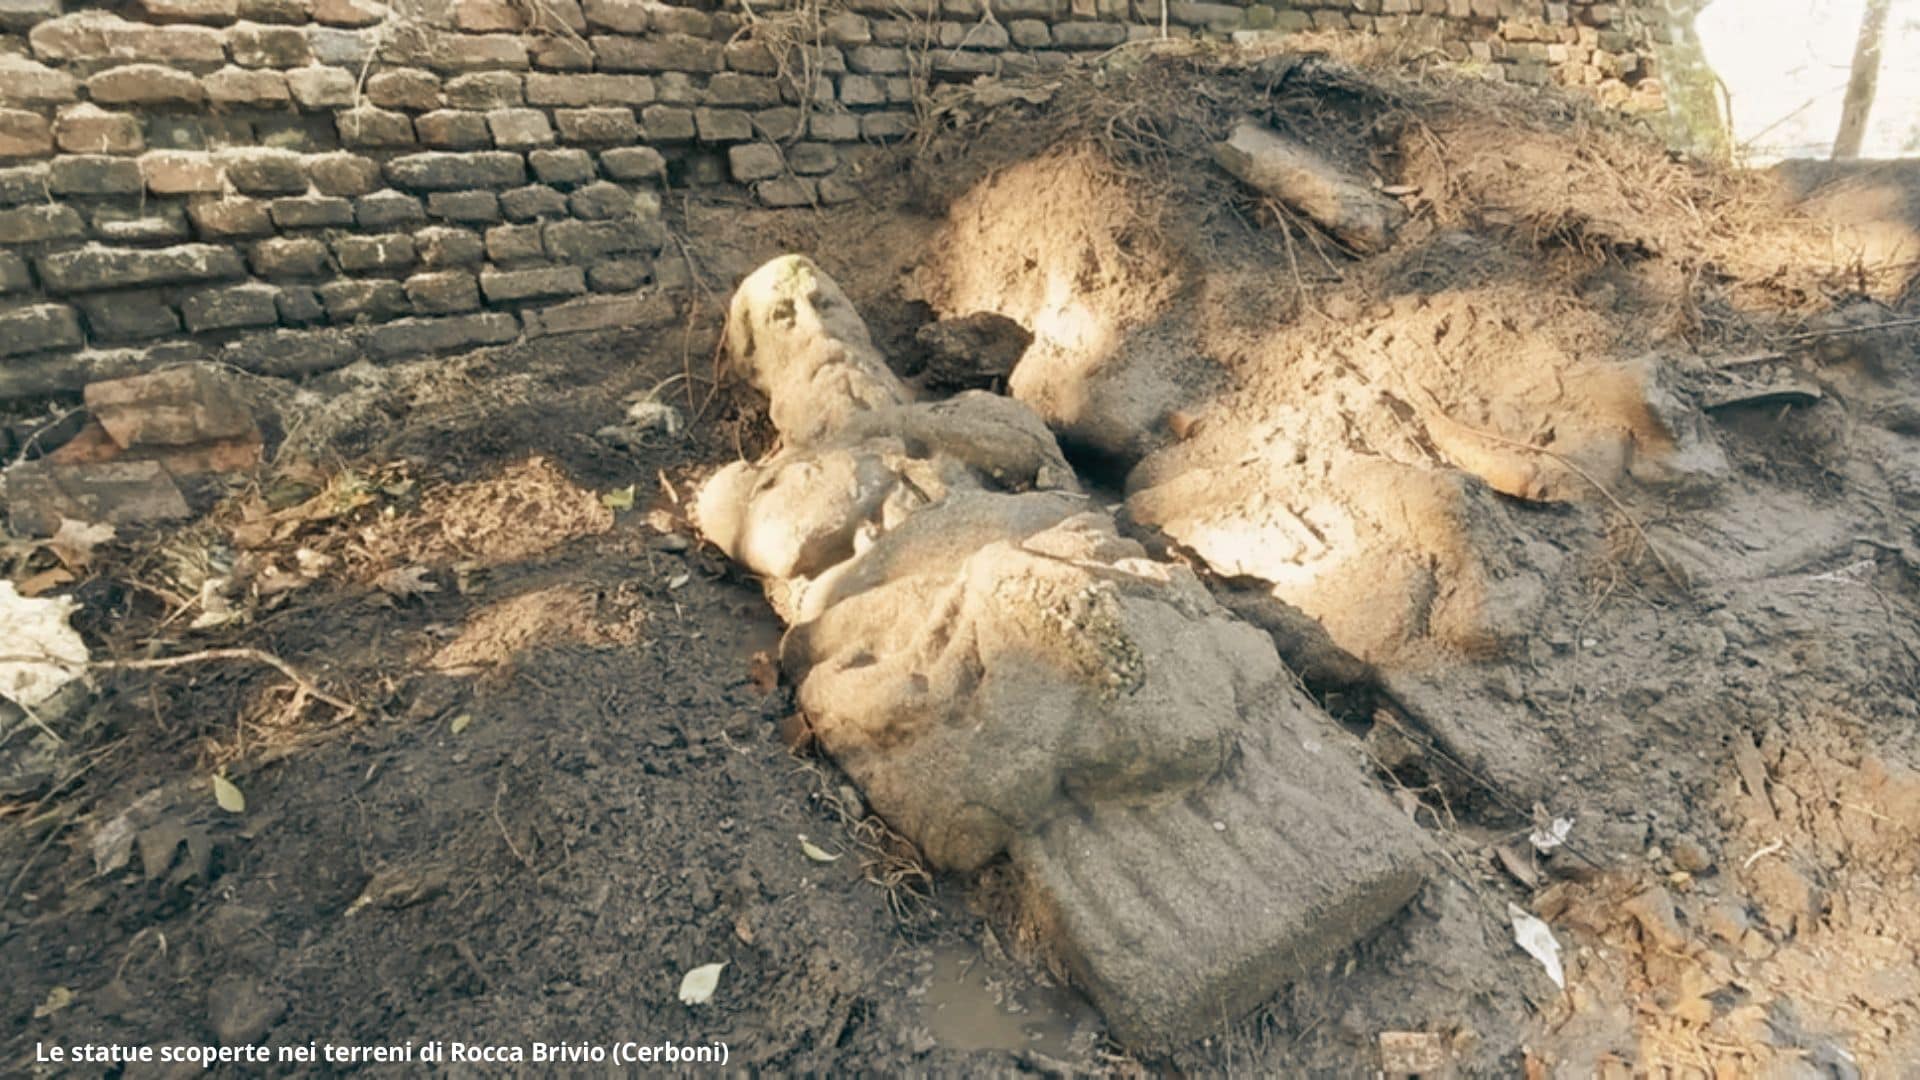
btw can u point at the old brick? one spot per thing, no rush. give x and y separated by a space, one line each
786 191
752 58
487 17
584 90
619 275
24 134
258 171
94 268
89 129
254 45
485 90
181 172
858 90
886 126
344 174
561 166
300 305
754 161
466 207
419 337
478 52
196 11
37 328
25 83
634 163
363 301
686 21
317 87
443 292
405 88
532 203
602 201
129 317
601 313
157 223
834 127
675 88
285 130
519 129
229 308
37 224
555 53
290 257
590 241
14 277
280 12
96 35
358 254
451 172
877 60
669 52
388 209
812 158
442 247
352 49
374 128
312 212
447 129
510 244
246 86
722 125
620 16
1030 33
94 174
229 217
351 13
144 84
600 126
289 353
734 89
507 286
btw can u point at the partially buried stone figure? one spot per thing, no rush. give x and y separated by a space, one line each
1002 672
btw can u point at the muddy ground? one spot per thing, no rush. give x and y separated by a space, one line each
572 775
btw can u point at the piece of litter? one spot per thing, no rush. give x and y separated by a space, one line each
698 985
228 796
1552 836
655 416
1762 853
57 998
1537 939
818 854
37 627
618 499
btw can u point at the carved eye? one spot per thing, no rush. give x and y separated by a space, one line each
783 312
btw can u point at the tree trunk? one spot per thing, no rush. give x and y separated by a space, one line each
1863 83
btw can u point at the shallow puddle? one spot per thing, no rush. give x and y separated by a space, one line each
966 1008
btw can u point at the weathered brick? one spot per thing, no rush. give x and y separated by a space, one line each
532 203
598 126
519 129
447 129
754 161
319 87
722 125
195 11
181 172
466 207
786 191
156 223
290 257
620 16
14 276
485 90
858 90
751 57
511 244
602 201
38 328
94 174
405 88
834 127
341 173
289 353
561 166
258 171
601 313
688 22
300 305
373 128
352 49
280 12
670 52
25 83
590 241
878 60
254 45
443 247
634 163
451 172
96 35
230 308
19 16
419 337
359 254
812 158
352 13
507 286
363 301
312 212
387 209
619 275
734 89
24 134
286 130
229 217
89 129
135 316
93 268
246 86
443 292
886 126
675 88
554 53
37 224
583 90
487 17
478 52
144 84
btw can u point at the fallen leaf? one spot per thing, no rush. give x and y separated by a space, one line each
57 998
816 853
679 580
405 583
698 985
74 541
459 723
228 796
1547 838
1537 939
619 499
45 580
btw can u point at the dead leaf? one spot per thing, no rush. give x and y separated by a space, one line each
74 541
459 723
698 985
57 998
619 499
45 581
818 854
228 796
405 583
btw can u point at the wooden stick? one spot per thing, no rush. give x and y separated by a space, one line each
304 684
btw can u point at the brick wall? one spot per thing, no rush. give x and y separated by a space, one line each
290 185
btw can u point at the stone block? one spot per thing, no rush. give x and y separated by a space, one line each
387 210
420 337
620 16
311 212
230 308
94 268
561 166
405 88
485 90
532 203
334 47
444 247
320 87
38 328
38 224
786 191
886 126
265 172
722 125
599 126
229 217
754 161
479 52
666 123
668 52
575 91
591 241
642 309
216 12
26 84
878 60
288 353
734 89
363 301
254 45
360 254
519 129
603 201
284 257
448 129
343 174
443 292
465 207
509 286
511 244
15 278
349 13
24 134
136 316
634 163
157 223
372 128
452 172
246 86
94 174
300 306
